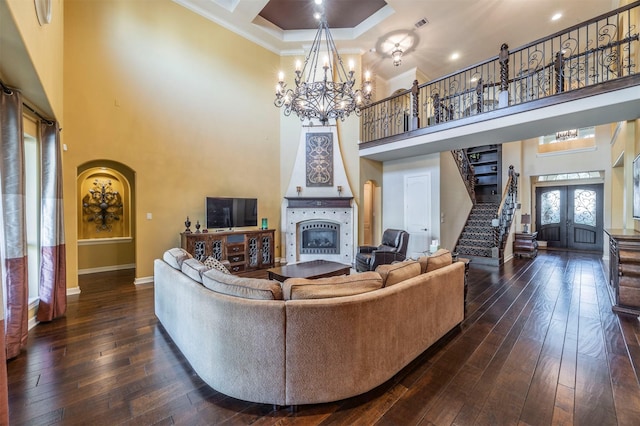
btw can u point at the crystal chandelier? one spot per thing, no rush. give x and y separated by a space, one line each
323 92
396 55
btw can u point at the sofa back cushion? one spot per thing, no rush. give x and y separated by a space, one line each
398 272
175 257
247 288
194 269
323 288
436 261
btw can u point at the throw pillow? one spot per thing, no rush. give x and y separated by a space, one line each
398 272
213 263
193 269
439 259
175 256
323 288
247 288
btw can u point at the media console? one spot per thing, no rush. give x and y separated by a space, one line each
245 250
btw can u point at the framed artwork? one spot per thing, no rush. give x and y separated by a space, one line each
636 188
319 159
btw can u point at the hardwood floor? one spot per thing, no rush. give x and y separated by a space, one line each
539 345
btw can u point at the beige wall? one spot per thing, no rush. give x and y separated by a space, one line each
455 203
40 72
186 104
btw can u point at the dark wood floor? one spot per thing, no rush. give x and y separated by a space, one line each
539 345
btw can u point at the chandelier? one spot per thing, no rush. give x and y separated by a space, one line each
396 55
323 92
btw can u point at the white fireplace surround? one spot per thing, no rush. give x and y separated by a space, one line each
316 209
344 216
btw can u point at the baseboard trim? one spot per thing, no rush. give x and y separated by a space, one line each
106 269
73 290
143 280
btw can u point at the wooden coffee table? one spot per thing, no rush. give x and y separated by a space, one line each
311 269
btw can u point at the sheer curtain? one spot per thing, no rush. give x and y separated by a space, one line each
53 282
13 250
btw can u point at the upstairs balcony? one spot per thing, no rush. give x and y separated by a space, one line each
583 76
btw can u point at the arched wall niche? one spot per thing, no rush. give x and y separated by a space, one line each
112 245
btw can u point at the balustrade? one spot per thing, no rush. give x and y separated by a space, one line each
600 50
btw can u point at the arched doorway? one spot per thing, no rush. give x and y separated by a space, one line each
105 217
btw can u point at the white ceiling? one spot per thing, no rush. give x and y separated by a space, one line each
474 29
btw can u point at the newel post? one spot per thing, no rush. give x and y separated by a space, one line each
503 58
415 102
558 67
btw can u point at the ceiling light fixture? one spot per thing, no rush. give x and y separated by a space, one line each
329 95
556 16
396 55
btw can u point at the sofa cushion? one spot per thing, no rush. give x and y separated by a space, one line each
439 259
398 272
213 263
246 288
193 268
175 257
322 288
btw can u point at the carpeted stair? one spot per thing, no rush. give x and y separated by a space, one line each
476 239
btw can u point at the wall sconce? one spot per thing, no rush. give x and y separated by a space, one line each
525 220
339 191
298 190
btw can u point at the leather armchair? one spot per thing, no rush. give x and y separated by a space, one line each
393 248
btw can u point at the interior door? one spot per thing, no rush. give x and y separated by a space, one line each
417 197
570 217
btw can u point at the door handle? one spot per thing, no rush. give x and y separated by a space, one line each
424 229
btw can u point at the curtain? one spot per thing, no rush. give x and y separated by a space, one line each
13 250
53 281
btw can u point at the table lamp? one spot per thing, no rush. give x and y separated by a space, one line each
525 220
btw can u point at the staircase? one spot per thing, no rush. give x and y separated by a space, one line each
478 236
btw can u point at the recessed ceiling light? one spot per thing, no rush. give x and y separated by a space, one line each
317 16
455 56
556 16
318 1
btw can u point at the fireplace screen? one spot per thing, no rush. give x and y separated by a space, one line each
320 237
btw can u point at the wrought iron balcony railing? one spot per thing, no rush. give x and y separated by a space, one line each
600 50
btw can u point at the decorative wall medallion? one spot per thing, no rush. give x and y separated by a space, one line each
319 160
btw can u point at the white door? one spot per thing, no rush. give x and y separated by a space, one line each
417 219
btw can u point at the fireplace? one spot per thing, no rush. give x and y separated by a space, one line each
319 237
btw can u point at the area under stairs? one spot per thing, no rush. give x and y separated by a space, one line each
477 238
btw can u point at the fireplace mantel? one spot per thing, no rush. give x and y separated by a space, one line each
309 202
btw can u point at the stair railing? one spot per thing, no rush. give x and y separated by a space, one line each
467 172
504 216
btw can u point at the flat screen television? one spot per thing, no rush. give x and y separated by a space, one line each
231 212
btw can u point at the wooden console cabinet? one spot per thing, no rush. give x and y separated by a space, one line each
525 245
624 270
245 250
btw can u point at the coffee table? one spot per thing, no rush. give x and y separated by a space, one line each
311 269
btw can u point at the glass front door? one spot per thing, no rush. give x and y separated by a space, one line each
570 217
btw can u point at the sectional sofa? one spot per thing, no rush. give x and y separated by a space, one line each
306 341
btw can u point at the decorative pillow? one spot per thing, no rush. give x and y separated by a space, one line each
247 288
213 263
439 259
398 272
193 269
323 288
175 257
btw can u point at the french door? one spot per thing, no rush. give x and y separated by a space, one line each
570 217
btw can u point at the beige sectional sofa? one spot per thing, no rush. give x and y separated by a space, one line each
306 341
